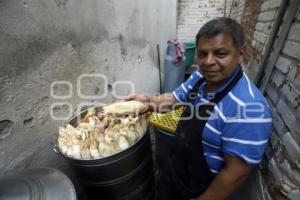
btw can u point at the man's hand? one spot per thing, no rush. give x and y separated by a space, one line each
138 97
160 103
145 99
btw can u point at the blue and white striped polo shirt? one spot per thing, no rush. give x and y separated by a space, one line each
239 125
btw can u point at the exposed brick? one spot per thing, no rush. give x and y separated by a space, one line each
267 30
283 64
298 14
270 4
292 73
292 172
292 49
272 93
297 82
274 169
277 78
294 33
289 189
274 140
269 152
261 37
291 147
259 26
289 118
278 122
241 5
298 112
285 112
290 93
267 15
238 9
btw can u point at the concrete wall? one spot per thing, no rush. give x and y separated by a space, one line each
192 14
46 41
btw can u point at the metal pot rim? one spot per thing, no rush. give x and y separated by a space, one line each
78 116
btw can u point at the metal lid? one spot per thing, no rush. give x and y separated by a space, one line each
37 184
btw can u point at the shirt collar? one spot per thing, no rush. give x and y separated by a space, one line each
211 95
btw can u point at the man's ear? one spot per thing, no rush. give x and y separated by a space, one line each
242 53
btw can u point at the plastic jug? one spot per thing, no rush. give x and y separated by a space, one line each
173 73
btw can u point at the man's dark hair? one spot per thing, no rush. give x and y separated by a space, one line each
225 26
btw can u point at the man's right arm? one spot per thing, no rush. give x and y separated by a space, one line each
161 103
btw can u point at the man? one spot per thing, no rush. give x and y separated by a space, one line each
228 130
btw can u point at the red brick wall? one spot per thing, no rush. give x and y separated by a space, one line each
248 21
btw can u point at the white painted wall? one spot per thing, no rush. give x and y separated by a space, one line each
46 41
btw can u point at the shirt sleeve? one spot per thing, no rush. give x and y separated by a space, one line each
181 92
247 135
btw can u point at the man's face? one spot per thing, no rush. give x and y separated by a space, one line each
218 58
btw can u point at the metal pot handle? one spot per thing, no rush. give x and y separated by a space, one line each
55 148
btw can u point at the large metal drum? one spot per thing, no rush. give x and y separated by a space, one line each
124 175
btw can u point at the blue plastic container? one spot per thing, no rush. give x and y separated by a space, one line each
173 73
